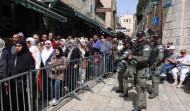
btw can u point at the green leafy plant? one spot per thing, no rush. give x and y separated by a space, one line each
140 8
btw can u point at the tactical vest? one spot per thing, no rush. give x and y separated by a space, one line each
138 51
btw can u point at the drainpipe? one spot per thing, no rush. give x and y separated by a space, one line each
161 20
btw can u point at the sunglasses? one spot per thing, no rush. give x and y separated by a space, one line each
28 42
183 52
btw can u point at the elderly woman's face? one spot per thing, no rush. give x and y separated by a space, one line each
70 45
47 45
18 47
183 54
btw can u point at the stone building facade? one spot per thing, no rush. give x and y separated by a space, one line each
127 21
111 17
62 17
176 23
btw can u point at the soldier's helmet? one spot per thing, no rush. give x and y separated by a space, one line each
127 40
141 33
156 36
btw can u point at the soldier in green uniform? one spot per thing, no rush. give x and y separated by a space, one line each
143 50
124 56
122 66
157 65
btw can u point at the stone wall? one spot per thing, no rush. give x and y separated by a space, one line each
86 7
110 16
176 23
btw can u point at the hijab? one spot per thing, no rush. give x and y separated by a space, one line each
2 46
72 42
35 52
33 46
119 47
82 49
46 52
24 47
64 48
61 52
63 40
70 49
21 61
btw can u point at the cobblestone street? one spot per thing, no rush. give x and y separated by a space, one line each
104 98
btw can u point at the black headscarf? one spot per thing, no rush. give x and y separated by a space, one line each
61 52
22 61
24 47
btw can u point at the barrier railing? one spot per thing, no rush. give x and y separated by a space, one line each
42 88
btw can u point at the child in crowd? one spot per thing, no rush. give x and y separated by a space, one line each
96 62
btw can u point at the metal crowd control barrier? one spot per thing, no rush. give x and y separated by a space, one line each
37 89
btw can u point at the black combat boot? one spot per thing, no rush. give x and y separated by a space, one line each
123 95
144 107
152 96
118 91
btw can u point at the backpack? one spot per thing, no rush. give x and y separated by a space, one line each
104 48
154 55
153 52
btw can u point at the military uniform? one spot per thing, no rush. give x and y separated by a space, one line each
143 51
156 68
121 70
124 79
142 75
122 66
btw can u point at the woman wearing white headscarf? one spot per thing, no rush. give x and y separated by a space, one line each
35 52
63 44
83 48
47 52
31 43
120 46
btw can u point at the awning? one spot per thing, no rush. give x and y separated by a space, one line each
40 9
106 31
86 18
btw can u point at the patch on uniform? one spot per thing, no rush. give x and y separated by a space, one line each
160 47
161 50
147 49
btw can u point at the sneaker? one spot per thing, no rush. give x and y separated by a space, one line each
179 86
163 75
174 84
54 102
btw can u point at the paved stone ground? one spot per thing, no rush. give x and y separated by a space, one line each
104 98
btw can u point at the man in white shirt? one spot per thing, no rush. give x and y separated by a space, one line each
171 62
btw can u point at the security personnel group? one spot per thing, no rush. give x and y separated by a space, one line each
137 59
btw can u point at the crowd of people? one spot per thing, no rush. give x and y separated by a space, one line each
34 52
